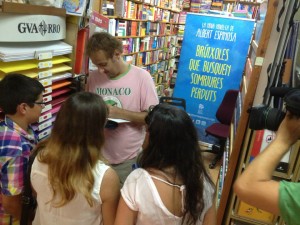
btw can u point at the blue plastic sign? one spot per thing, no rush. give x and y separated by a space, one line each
212 60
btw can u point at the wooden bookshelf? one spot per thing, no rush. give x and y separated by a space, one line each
149 34
240 144
245 138
9 7
242 2
249 3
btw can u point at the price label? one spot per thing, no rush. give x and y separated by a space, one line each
44 74
46 64
43 55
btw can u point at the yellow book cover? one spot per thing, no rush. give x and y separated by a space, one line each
143 31
254 213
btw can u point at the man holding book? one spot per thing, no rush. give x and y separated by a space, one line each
128 91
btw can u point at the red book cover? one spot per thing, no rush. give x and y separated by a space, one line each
134 28
80 49
257 142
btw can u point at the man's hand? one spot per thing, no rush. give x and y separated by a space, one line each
289 130
119 113
114 112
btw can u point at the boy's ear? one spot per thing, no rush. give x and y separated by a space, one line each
22 108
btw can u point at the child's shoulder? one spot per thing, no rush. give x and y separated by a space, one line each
138 173
7 132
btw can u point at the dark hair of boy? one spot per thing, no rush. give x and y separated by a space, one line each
16 89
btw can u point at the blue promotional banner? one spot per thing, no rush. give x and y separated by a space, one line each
212 60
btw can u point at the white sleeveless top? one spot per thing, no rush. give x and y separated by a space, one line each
77 211
140 194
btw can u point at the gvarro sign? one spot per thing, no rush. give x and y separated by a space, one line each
42 28
28 28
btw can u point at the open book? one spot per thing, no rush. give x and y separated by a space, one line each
118 120
114 123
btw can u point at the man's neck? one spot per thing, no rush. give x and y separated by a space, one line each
123 67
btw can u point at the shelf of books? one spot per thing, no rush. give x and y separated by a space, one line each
241 212
228 150
180 33
286 169
296 176
261 139
246 9
223 168
232 210
151 32
255 141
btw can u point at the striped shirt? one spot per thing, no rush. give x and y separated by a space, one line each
15 147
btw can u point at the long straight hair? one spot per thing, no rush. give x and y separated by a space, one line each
74 147
173 142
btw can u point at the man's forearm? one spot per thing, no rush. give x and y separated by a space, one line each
255 185
262 167
136 117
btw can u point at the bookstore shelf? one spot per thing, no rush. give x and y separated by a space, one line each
250 221
285 169
17 8
143 36
297 169
247 9
249 3
151 32
247 147
243 212
45 57
242 2
254 45
239 146
148 30
144 20
240 166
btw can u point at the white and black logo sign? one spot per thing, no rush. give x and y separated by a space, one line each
28 28
42 28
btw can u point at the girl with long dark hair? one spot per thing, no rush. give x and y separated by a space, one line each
171 185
